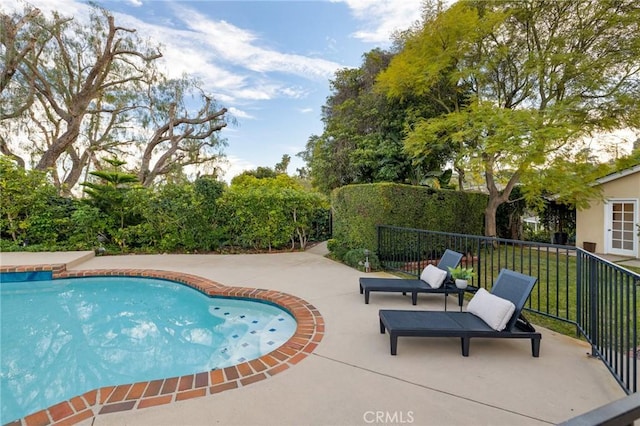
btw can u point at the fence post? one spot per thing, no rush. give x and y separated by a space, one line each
479 264
579 290
379 243
419 254
636 349
593 304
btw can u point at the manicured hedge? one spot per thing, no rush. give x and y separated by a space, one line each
357 209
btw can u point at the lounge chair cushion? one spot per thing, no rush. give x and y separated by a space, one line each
493 310
433 276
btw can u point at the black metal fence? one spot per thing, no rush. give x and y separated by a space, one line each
607 306
599 298
622 412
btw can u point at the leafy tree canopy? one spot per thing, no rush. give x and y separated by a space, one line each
540 77
364 129
80 93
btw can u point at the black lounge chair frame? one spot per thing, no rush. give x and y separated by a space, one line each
449 258
509 285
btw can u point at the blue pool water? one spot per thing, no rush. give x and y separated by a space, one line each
62 338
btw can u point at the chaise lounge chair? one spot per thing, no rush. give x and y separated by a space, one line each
485 316
445 285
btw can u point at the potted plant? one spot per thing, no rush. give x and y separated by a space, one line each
461 276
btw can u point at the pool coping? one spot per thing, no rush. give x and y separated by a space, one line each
309 332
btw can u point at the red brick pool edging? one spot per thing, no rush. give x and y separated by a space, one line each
110 399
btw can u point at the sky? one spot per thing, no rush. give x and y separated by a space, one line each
269 62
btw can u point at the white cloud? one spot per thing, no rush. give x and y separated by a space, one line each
234 166
68 8
382 17
332 44
228 59
294 92
305 110
182 58
136 3
238 113
242 48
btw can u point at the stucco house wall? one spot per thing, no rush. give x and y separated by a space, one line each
592 223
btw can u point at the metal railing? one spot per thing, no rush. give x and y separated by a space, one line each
607 306
622 412
597 298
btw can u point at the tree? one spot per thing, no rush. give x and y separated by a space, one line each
21 37
83 93
181 136
109 194
81 66
542 76
363 131
328 163
283 165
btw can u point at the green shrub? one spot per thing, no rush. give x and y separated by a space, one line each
180 217
89 222
270 213
7 245
202 216
27 213
357 209
321 223
332 244
357 258
541 236
337 249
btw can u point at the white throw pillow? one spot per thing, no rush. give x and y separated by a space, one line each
493 310
433 276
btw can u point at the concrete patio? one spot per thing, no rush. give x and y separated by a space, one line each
350 378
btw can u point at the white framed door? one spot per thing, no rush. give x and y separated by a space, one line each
622 227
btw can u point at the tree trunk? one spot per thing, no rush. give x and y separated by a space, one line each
4 149
79 163
60 145
490 228
496 197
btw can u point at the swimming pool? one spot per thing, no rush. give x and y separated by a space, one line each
64 337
